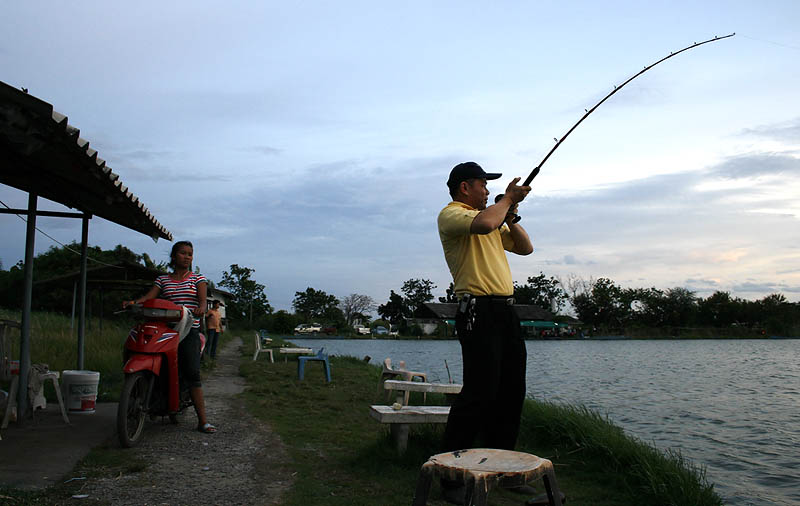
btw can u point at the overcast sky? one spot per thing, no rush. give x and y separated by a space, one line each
311 141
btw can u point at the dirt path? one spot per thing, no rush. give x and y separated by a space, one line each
243 463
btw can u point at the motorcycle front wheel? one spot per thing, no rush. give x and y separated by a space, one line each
132 410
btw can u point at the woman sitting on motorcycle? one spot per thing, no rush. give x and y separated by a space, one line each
188 289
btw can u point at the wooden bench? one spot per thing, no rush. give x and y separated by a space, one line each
399 416
403 388
399 419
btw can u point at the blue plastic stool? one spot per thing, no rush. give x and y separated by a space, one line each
319 357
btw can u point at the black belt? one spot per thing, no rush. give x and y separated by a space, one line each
504 299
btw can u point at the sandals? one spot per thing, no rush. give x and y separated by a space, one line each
207 428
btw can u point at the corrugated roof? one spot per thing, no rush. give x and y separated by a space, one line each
41 152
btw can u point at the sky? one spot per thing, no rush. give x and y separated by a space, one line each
311 141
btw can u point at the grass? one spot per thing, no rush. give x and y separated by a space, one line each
54 344
341 456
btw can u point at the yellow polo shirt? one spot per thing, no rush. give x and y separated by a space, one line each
477 262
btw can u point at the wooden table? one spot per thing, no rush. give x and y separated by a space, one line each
294 351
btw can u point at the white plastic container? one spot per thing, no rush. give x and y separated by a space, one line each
79 389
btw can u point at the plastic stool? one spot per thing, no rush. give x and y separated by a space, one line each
12 396
480 469
319 357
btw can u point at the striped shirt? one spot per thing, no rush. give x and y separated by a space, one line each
183 292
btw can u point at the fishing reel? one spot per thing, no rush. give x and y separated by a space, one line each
513 217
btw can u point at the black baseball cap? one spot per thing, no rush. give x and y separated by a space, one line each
469 170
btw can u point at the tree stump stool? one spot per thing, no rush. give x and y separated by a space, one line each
481 469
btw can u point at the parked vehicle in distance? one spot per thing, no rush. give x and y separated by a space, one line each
330 331
380 330
364 331
308 328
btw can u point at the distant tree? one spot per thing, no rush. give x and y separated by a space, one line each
416 292
680 307
780 317
362 318
250 300
719 310
281 322
449 295
647 306
603 305
66 259
541 291
334 317
355 304
314 304
395 310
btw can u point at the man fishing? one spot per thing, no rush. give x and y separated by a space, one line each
474 238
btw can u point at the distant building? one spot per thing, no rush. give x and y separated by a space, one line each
430 314
223 297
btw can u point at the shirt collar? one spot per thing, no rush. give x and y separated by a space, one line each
462 204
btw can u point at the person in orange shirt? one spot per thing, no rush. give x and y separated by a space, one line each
214 328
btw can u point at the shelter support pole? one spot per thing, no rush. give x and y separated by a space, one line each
102 301
72 317
25 330
82 290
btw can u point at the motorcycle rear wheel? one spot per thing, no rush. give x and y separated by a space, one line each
132 410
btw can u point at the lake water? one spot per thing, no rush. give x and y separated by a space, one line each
732 406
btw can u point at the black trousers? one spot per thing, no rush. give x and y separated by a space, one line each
494 356
189 358
211 343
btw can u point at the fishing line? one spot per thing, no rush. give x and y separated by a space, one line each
536 170
771 42
515 218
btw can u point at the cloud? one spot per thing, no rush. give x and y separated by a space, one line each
757 164
765 287
565 260
145 155
264 150
701 282
788 131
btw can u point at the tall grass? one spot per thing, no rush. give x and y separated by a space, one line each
658 478
53 343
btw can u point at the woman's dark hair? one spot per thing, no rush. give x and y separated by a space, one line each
175 247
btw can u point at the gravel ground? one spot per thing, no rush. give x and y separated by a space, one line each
244 463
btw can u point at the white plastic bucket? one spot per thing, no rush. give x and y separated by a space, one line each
79 389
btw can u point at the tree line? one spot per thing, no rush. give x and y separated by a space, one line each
598 303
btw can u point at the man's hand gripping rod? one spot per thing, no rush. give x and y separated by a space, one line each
536 170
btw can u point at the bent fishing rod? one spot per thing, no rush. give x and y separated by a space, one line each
536 169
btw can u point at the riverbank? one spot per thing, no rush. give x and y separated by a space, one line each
343 457
644 333
338 455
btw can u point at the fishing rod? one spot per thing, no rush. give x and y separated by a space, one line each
536 169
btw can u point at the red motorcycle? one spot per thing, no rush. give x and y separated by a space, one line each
152 385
